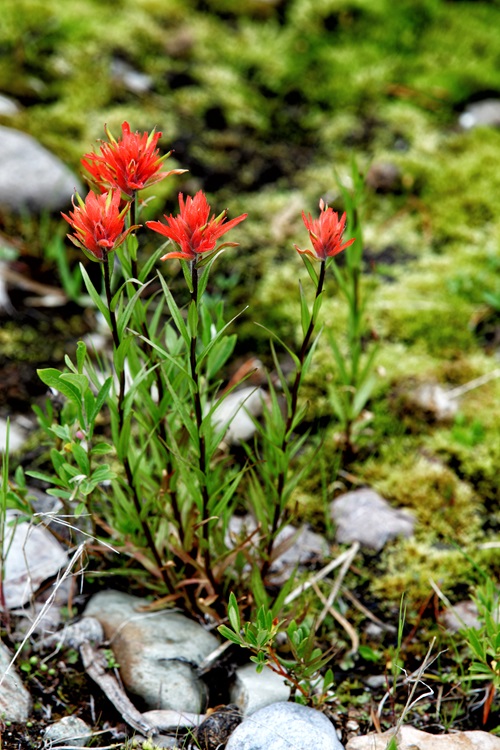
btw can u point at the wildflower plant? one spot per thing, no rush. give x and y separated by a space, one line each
354 360
136 446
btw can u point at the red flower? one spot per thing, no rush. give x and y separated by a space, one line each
98 223
192 230
130 164
325 233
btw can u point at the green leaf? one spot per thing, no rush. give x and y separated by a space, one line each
81 353
193 319
227 633
101 398
81 382
310 268
174 311
305 316
233 613
95 296
81 458
124 317
52 377
102 449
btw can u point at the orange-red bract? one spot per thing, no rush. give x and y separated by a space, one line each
129 164
192 230
98 223
326 233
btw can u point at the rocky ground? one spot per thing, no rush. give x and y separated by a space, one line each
266 105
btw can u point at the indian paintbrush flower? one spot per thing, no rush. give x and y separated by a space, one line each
130 164
98 223
193 230
325 233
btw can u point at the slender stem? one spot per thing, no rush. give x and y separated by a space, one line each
169 467
134 213
198 410
126 463
292 412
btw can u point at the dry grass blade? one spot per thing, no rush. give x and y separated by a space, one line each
336 563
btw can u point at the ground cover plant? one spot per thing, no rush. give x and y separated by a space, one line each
265 105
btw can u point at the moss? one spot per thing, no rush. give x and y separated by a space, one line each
407 567
446 507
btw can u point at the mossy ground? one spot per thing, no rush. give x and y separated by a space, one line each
267 103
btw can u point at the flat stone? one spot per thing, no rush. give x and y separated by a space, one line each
15 701
8 107
462 615
434 401
132 79
31 177
485 112
71 730
158 652
33 556
238 410
17 436
293 547
285 726
253 690
366 517
384 177
414 739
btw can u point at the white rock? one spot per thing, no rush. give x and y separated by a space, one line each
33 555
433 398
414 739
15 701
8 107
17 437
157 651
462 615
486 112
70 730
285 726
132 79
236 411
252 690
364 516
32 178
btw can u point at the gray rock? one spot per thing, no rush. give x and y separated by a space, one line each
414 739
158 652
252 690
15 701
384 177
32 178
33 556
68 731
8 107
486 113
17 436
237 411
463 615
132 79
434 401
364 516
285 726
294 546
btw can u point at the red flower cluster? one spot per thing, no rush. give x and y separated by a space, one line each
193 230
325 233
129 164
98 223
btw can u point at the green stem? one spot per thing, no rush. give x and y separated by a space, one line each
198 410
134 210
126 463
292 412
